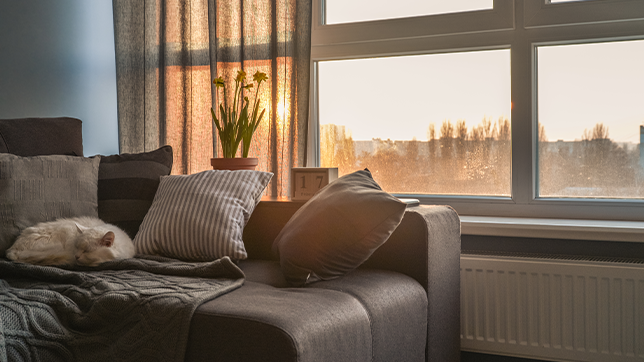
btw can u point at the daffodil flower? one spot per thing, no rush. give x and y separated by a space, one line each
241 76
259 77
237 123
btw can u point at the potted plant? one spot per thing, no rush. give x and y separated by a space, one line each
236 123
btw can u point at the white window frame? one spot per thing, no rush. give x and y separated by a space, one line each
518 25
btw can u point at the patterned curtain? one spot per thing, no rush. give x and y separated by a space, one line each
169 51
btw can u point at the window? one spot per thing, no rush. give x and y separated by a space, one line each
540 84
591 120
347 11
438 124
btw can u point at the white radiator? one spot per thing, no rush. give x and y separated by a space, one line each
552 309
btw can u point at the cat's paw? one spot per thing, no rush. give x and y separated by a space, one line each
13 254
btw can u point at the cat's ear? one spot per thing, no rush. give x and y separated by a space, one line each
108 239
80 227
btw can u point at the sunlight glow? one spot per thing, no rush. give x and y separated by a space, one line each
281 109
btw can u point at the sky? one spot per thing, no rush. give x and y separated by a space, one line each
398 97
582 85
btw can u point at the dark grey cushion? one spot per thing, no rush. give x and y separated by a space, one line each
338 229
41 136
127 184
44 188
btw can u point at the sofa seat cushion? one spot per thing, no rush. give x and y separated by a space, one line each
258 322
265 272
397 308
367 315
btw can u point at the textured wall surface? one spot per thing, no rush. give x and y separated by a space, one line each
58 60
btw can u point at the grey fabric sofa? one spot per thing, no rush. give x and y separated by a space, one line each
401 305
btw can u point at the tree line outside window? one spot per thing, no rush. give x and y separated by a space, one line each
461 160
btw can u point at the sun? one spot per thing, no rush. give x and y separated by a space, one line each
281 109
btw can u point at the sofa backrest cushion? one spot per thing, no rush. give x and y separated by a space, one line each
41 136
127 184
44 188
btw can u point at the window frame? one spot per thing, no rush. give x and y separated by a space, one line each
518 25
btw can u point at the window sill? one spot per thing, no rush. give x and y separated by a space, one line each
628 231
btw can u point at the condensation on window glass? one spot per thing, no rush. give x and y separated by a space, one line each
428 124
591 120
349 11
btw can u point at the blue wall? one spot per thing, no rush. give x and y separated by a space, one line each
57 59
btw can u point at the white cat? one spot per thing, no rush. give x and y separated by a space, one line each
83 240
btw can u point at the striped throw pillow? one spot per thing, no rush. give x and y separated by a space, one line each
127 184
201 217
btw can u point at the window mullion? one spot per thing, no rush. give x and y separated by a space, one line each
523 117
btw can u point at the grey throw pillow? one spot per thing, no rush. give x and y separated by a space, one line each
202 216
44 188
337 230
127 184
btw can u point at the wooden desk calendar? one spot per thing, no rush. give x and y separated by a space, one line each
306 181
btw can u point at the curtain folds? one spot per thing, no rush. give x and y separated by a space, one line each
168 52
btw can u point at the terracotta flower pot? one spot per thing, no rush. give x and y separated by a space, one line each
233 164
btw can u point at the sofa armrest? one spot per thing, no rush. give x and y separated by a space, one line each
427 246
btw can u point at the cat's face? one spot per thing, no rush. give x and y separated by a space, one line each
94 247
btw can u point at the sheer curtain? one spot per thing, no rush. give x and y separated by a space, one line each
168 52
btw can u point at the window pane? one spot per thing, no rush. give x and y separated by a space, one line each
590 120
349 11
430 124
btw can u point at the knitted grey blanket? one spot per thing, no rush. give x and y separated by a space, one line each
130 310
